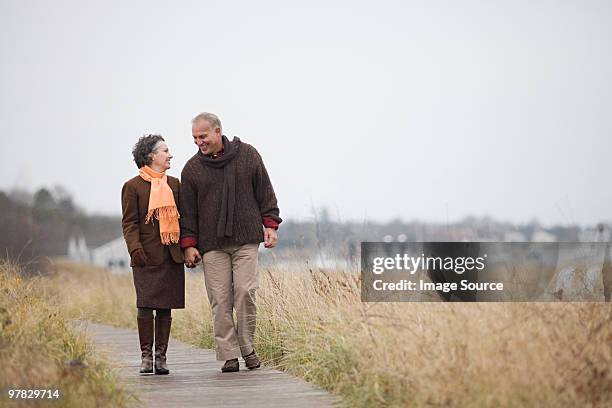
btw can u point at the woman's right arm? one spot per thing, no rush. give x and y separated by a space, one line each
130 219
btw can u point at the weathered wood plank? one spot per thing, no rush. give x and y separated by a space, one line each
195 378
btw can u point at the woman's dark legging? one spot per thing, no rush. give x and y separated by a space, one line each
147 312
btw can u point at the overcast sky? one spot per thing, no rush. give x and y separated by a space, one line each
429 110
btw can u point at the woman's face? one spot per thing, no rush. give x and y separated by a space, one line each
160 157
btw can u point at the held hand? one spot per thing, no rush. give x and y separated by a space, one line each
270 238
192 257
139 258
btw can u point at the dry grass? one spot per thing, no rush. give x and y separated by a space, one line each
40 349
312 324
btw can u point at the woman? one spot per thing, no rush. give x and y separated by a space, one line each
151 231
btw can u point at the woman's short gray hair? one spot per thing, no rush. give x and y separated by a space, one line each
211 118
144 147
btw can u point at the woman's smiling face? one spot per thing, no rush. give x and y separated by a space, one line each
160 157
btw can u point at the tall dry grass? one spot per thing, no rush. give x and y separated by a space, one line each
311 323
40 349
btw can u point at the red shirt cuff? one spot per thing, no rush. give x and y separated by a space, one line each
270 223
189 242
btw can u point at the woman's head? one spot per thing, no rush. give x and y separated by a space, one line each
152 151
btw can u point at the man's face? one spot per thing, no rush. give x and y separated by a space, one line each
208 139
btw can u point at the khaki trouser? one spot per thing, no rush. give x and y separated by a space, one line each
231 279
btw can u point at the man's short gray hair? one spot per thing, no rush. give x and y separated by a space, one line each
211 118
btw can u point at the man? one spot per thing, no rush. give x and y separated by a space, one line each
228 207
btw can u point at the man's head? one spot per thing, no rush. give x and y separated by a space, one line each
206 132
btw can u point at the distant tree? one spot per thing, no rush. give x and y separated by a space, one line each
21 197
40 225
44 200
324 217
64 200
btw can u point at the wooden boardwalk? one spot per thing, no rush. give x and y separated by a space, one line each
196 380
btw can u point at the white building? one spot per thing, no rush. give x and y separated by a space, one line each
543 236
514 236
112 256
599 233
77 249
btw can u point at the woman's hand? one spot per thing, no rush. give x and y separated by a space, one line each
139 258
192 257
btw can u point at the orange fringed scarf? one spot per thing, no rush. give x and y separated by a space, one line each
162 205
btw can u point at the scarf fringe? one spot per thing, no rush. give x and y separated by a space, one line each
168 238
168 212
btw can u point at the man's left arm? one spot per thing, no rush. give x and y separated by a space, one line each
266 200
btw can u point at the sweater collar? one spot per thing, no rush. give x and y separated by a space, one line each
216 155
230 150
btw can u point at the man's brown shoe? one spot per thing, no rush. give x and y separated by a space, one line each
252 361
230 366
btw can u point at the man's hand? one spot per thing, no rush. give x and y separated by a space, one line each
192 257
270 237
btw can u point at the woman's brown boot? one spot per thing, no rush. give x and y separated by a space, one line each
162 335
145 334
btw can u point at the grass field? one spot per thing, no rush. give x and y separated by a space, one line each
40 349
312 324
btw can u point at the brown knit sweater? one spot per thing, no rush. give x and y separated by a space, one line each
200 201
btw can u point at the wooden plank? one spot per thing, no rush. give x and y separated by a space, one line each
196 380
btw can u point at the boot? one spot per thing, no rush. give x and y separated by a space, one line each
162 335
145 334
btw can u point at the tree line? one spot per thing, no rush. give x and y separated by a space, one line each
39 225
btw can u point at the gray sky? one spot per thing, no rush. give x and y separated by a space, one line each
429 110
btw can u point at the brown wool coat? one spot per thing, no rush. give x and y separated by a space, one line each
137 234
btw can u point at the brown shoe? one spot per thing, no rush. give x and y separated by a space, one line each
230 366
162 335
252 361
145 335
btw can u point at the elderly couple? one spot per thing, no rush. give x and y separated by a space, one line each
227 206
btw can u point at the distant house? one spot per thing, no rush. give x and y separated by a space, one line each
77 249
112 256
599 233
514 236
543 236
